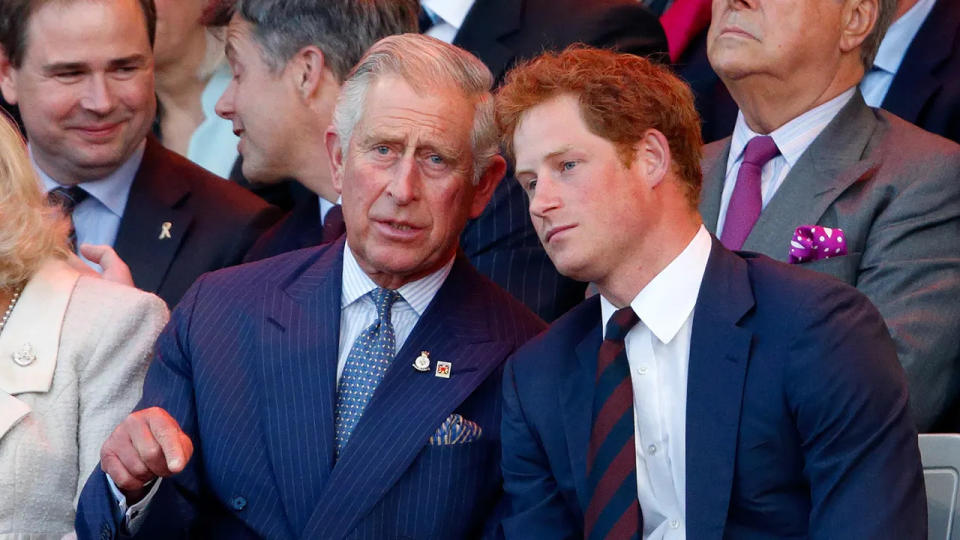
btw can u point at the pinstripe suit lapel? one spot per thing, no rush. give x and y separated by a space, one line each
300 336
408 405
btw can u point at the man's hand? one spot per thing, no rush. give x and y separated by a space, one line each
147 445
114 269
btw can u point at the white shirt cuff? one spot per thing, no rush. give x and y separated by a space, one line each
133 515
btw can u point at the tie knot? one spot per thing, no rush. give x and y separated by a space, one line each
384 299
760 150
620 323
67 197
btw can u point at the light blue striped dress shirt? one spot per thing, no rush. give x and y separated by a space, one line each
893 48
358 311
97 218
792 139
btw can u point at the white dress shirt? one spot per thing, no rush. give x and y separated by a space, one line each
448 16
792 139
357 312
658 351
96 219
893 48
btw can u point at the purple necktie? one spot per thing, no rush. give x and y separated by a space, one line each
746 201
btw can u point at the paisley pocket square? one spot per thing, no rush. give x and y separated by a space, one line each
813 243
456 430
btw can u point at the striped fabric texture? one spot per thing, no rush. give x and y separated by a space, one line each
613 511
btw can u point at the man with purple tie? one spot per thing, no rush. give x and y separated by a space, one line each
808 160
702 393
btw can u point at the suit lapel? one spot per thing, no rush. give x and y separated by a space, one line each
408 405
833 162
491 18
144 241
576 396
300 337
719 354
917 79
714 175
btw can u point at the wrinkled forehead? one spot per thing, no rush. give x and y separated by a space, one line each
84 31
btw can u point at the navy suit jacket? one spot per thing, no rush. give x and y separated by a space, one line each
213 223
248 367
797 419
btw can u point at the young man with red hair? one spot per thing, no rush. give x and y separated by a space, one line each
679 401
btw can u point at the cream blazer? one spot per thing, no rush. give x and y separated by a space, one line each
72 360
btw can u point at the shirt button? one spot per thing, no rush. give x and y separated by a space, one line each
642 370
674 524
652 449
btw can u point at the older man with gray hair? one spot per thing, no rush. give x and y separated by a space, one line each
349 390
815 177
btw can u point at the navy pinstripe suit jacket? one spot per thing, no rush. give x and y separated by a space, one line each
247 366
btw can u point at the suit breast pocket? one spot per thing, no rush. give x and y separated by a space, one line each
845 267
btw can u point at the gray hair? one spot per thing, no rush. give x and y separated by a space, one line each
342 29
424 63
886 9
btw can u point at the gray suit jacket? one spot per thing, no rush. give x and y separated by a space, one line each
894 189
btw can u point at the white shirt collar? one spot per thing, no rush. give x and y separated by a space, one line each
452 12
794 137
666 303
112 191
900 34
418 294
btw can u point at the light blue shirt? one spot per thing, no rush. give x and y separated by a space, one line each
97 218
893 48
213 145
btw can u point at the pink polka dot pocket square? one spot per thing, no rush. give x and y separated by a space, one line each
456 430
813 242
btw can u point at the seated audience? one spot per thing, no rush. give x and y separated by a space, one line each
703 393
73 353
352 389
815 177
82 73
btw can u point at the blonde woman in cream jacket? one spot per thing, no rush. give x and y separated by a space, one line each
74 349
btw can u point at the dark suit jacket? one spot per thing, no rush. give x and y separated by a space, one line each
298 229
797 422
502 243
248 368
894 189
212 223
926 88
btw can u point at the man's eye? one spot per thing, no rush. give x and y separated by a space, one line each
381 149
531 185
568 165
436 160
68 76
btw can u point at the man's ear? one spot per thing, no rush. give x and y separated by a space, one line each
858 19
652 156
336 158
8 82
489 180
306 69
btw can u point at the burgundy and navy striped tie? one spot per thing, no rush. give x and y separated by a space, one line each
613 511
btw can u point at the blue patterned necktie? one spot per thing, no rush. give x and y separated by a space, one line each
367 362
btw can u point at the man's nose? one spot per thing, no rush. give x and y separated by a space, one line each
99 96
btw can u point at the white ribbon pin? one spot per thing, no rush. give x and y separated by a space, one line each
165 230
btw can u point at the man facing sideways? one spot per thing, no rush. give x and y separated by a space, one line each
813 176
353 389
81 72
289 58
703 393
